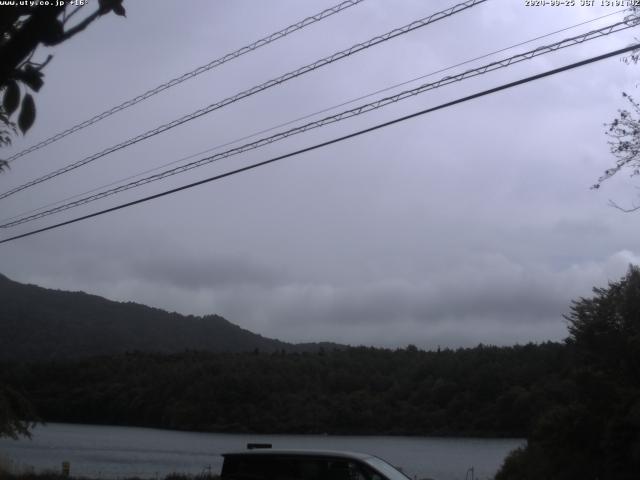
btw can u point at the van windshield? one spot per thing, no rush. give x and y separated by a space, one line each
387 470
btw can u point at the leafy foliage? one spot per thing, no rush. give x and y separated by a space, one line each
16 413
624 134
11 98
23 27
596 432
27 113
624 131
484 391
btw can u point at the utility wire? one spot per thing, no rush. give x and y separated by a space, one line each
259 88
335 140
305 117
193 73
617 27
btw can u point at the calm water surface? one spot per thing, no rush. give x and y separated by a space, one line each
113 452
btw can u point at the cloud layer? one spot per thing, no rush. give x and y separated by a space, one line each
475 224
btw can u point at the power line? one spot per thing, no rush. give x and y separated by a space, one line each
252 91
290 122
191 74
568 42
338 117
335 140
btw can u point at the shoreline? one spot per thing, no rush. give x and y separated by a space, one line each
437 436
49 475
100 452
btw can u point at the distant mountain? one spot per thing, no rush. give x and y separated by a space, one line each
43 324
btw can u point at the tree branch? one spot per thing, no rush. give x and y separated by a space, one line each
68 17
78 28
613 204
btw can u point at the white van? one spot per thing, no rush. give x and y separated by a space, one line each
261 462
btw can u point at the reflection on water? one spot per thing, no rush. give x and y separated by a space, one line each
112 452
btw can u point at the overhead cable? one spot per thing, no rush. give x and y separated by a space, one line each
617 27
252 91
304 117
191 74
333 141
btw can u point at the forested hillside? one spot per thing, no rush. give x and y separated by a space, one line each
43 324
487 391
594 430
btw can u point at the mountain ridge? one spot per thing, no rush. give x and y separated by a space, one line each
38 324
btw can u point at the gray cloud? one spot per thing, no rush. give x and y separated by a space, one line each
193 273
472 224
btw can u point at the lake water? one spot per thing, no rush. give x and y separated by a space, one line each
115 452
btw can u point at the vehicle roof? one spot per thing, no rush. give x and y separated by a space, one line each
300 452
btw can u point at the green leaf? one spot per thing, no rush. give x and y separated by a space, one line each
51 31
32 77
119 10
27 113
11 98
115 6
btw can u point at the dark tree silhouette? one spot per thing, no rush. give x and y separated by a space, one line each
17 415
595 432
624 143
624 131
23 28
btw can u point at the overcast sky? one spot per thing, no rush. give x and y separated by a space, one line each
471 224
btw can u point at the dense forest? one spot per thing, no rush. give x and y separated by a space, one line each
483 391
595 432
